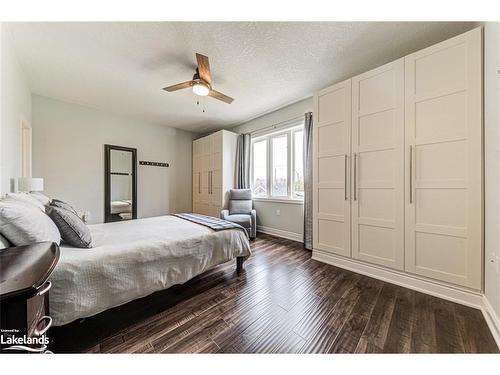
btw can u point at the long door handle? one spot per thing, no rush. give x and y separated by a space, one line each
345 176
355 177
411 174
199 182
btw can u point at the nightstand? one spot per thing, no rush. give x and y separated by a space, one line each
24 296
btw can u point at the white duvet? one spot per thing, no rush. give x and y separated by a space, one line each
131 259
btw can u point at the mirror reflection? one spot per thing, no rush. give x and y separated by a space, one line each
120 184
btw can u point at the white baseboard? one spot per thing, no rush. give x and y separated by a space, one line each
280 233
492 319
448 292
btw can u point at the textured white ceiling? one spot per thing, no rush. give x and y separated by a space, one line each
121 67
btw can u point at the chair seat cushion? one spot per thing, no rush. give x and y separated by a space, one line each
244 220
240 207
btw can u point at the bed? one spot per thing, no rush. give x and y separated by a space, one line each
121 206
132 259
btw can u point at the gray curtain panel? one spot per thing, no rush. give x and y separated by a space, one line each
243 161
308 181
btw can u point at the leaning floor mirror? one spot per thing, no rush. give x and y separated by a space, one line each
120 183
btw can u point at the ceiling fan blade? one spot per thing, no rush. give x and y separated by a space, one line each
204 68
220 96
179 86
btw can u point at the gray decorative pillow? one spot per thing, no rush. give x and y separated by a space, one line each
23 224
61 204
240 207
73 230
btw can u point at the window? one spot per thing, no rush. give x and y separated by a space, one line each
277 165
280 166
298 164
259 186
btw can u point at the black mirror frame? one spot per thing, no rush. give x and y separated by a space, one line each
107 180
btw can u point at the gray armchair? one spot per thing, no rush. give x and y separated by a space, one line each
241 211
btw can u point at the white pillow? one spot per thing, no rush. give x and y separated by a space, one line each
24 224
4 243
42 198
26 198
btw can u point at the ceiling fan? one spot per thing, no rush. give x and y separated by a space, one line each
202 82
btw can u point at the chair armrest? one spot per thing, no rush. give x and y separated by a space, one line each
224 214
253 232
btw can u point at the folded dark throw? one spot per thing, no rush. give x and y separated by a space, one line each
211 222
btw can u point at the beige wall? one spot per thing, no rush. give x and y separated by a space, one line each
290 220
492 162
68 151
15 106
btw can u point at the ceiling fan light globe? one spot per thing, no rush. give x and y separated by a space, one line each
200 89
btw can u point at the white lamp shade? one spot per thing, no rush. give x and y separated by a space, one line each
30 184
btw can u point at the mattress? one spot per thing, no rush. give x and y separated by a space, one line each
132 259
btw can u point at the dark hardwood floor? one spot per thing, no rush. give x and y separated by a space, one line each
284 302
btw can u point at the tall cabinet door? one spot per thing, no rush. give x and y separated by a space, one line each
378 166
197 165
443 104
204 202
331 150
215 178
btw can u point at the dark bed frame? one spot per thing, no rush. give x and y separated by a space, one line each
239 264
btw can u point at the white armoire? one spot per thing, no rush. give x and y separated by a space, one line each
397 170
214 158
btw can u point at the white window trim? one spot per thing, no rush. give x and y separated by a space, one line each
292 162
290 133
279 200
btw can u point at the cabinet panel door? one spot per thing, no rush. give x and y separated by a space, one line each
443 127
216 171
217 142
203 209
216 187
378 165
214 210
196 186
197 147
331 150
197 171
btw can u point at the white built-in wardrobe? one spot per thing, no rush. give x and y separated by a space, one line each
398 165
214 160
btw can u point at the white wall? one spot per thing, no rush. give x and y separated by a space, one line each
68 151
492 161
291 219
15 106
